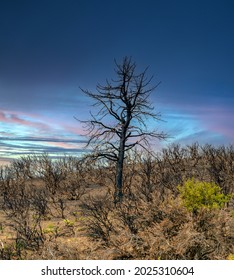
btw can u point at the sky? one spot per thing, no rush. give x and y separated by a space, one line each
49 49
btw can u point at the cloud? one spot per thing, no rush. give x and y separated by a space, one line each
210 123
26 133
42 139
13 147
15 119
218 120
202 137
75 130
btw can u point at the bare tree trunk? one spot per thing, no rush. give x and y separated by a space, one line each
119 171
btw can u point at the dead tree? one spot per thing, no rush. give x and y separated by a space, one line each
120 123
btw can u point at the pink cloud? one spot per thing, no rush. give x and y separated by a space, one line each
2 117
219 120
19 113
62 145
15 119
76 130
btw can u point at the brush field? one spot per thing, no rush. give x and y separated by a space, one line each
63 209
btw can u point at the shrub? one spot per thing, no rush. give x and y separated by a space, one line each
199 194
230 257
97 211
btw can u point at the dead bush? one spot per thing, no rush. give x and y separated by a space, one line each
97 212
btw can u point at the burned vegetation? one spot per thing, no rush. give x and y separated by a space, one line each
65 208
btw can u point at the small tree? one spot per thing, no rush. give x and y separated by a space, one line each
120 123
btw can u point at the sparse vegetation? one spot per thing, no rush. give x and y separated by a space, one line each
64 209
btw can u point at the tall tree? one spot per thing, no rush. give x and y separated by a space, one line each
121 121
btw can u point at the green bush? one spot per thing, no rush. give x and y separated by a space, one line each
198 194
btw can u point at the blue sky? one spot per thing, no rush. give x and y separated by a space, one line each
48 49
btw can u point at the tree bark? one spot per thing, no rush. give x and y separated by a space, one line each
119 170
